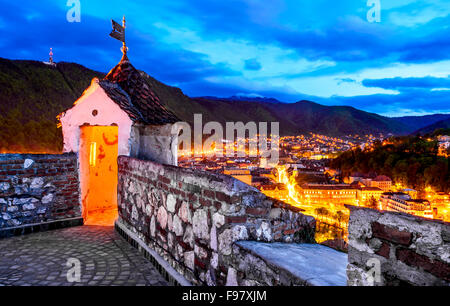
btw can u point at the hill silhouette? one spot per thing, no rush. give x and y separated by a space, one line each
33 93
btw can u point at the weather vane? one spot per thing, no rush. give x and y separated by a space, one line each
118 33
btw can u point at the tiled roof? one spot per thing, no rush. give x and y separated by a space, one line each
382 178
125 85
328 187
370 189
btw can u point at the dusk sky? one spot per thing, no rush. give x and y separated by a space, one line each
322 50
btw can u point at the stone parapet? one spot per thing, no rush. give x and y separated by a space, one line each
37 189
286 264
389 249
192 218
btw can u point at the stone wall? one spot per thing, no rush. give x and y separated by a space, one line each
408 250
249 269
36 189
258 263
158 143
192 218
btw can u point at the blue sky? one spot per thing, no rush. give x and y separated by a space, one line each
322 50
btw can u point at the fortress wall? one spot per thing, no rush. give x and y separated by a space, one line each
392 249
38 192
192 218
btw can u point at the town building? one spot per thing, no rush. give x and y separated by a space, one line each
356 177
383 182
364 194
444 145
241 174
411 192
276 191
325 193
402 202
371 180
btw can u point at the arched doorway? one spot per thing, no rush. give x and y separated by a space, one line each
98 173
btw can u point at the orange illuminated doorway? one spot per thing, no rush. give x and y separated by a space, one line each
98 171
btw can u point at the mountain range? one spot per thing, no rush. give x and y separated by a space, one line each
33 93
442 124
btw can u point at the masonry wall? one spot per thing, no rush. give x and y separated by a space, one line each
249 269
158 143
192 218
408 250
36 189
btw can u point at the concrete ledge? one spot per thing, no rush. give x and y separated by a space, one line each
166 270
300 264
40 227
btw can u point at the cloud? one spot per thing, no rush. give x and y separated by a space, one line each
419 13
249 95
323 51
417 101
404 83
252 64
88 43
345 80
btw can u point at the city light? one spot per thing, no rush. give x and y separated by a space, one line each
303 159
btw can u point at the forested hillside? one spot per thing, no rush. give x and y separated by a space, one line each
411 161
32 94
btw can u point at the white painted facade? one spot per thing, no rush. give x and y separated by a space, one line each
95 101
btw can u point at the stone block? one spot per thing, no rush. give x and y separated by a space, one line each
177 226
384 250
171 203
231 277
391 234
200 222
162 217
435 267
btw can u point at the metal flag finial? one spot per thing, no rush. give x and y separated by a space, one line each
118 33
125 48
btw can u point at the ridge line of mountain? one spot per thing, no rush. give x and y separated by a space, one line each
32 91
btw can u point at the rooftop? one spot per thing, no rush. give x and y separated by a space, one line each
126 86
328 187
370 189
382 178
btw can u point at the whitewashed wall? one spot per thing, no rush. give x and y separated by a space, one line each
108 113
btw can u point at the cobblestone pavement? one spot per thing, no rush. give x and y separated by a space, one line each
41 259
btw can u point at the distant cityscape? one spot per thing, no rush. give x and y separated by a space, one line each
303 178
